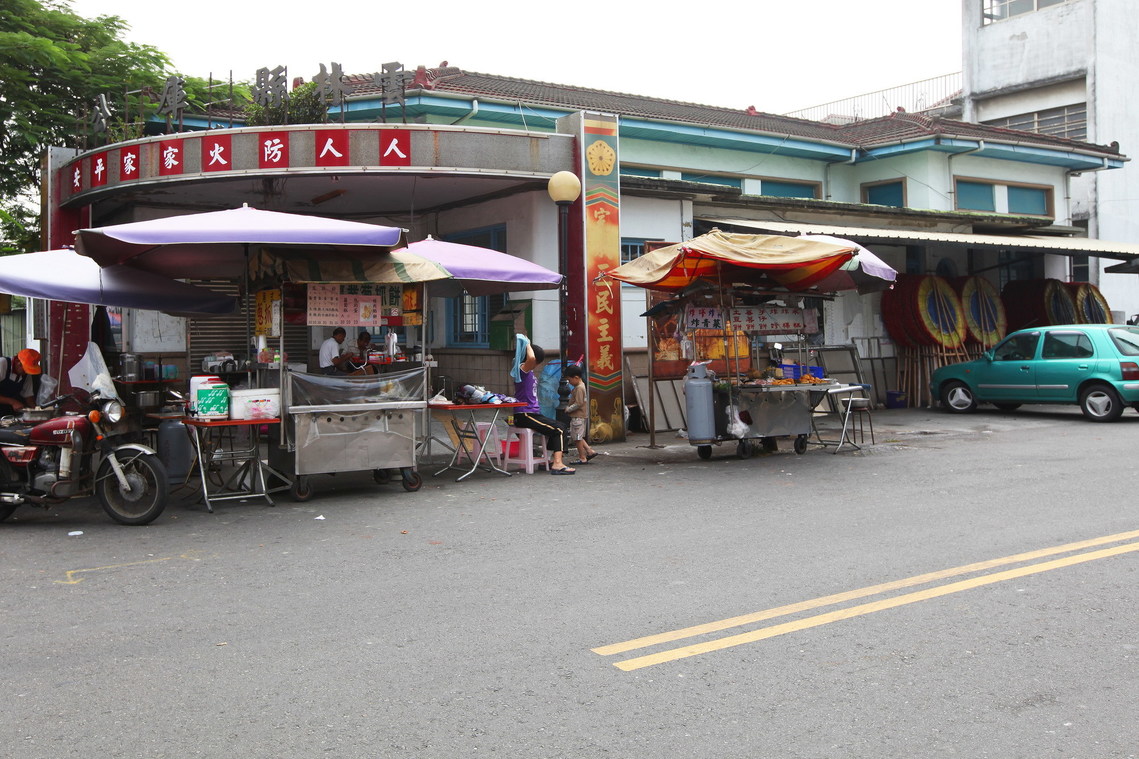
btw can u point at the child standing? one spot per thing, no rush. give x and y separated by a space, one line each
578 415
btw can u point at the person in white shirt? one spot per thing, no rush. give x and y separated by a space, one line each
329 359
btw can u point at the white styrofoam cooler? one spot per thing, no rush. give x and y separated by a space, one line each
263 403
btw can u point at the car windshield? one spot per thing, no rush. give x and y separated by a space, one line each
1126 339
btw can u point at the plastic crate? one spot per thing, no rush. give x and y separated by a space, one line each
796 371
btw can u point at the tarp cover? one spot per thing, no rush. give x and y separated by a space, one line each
67 276
728 258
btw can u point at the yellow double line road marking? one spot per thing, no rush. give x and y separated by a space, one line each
867 608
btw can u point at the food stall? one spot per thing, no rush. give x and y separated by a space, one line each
718 302
377 422
345 273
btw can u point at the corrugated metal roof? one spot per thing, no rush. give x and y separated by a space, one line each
1061 245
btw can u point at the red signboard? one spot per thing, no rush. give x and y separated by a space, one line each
395 147
217 153
331 147
99 170
170 158
130 166
273 150
75 177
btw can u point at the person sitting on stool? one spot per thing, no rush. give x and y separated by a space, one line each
530 415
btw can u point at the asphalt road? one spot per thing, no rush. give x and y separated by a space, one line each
965 588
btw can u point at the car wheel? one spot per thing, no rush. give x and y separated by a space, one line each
957 397
1007 406
1100 403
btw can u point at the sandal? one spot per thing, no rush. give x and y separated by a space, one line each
563 470
590 457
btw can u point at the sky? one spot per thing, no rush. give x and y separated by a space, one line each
776 55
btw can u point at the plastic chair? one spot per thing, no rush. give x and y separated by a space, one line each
488 434
856 416
518 448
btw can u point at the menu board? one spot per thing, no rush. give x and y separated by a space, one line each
362 305
774 320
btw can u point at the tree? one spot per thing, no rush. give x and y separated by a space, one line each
54 66
306 105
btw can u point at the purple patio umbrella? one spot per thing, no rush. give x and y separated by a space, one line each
866 272
216 244
67 276
477 271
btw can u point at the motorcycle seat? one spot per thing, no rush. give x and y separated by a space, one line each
15 436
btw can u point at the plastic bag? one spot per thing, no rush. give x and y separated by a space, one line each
48 386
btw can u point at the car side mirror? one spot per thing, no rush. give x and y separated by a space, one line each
988 355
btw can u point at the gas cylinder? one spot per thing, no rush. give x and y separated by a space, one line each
698 404
174 449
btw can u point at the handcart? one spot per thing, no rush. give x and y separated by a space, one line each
347 424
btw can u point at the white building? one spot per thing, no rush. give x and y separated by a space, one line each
1067 68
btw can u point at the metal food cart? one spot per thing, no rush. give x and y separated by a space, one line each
350 423
726 291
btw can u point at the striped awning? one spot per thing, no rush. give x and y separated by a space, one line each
727 258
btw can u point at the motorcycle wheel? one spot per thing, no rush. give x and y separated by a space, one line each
148 488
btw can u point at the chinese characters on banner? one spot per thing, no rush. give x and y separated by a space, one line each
364 305
776 320
601 210
268 314
771 320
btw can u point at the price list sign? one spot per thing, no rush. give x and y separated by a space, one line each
363 305
775 320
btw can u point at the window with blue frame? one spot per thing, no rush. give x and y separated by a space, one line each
885 194
975 196
468 316
781 189
1031 201
713 179
632 248
638 171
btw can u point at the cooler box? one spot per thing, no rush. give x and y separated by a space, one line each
264 403
209 397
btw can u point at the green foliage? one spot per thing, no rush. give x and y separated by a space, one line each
19 231
53 67
305 106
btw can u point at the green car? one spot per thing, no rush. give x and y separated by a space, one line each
1094 365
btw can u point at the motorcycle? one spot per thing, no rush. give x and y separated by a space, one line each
51 456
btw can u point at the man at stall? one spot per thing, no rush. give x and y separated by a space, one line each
329 358
16 386
357 363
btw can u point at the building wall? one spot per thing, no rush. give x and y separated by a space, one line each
1114 113
1081 51
1051 44
648 219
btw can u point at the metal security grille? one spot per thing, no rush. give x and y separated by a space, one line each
210 334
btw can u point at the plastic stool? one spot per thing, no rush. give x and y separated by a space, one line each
488 434
522 438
